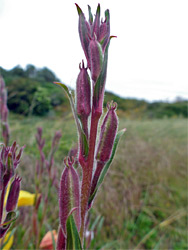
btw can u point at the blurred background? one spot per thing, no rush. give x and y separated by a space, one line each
142 204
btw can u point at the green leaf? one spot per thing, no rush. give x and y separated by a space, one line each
67 91
10 217
100 83
106 167
78 9
90 15
73 238
82 136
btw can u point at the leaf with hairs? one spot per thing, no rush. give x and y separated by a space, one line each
82 136
73 238
106 167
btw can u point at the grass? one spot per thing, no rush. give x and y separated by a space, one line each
142 203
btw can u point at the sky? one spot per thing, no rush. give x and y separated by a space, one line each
148 59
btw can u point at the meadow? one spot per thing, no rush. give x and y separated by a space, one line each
142 202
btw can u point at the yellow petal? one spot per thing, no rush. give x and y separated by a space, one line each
9 243
6 194
26 199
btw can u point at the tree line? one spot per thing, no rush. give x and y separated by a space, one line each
31 92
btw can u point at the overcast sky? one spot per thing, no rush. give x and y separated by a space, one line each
149 58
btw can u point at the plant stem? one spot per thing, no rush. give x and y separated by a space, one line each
87 171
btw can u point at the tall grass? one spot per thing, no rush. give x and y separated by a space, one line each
143 200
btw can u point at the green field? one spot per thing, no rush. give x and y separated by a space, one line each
142 203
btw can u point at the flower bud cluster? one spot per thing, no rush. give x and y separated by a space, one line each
9 184
98 30
95 38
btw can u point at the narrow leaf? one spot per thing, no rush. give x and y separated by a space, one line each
100 83
73 238
90 15
10 217
82 136
106 167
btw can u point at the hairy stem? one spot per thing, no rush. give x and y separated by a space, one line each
87 171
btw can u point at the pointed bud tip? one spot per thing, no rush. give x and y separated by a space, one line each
18 178
98 9
112 105
113 37
78 9
68 161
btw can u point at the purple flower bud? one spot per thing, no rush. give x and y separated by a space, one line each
104 33
39 139
2 169
55 141
39 130
84 33
3 230
108 134
83 93
74 153
61 240
69 196
96 23
96 58
9 160
13 195
4 116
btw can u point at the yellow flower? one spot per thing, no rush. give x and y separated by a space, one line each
26 199
8 241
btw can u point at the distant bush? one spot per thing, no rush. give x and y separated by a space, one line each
20 94
30 91
41 102
161 110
